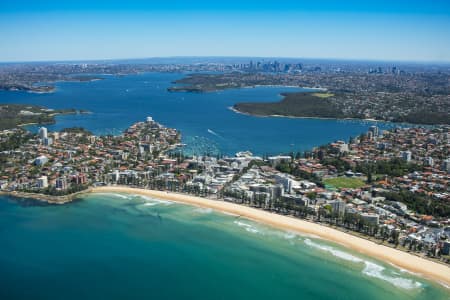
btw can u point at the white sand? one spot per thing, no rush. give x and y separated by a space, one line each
427 268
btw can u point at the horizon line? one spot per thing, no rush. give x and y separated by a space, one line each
444 62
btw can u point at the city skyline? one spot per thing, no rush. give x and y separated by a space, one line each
97 30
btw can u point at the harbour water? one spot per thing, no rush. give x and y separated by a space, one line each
204 119
119 246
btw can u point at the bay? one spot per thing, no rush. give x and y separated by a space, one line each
204 119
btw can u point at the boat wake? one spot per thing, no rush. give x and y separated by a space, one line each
214 133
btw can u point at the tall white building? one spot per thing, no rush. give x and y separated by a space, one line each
446 165
48 141
43 134
337 207
406 155
429 161
42 182
372 219
61 183
374 130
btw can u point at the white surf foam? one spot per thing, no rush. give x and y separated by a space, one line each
115 195
289 235
152 201
370 269
374 270
203 210
333 251
247 227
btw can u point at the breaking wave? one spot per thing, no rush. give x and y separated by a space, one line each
335 252
152 201
247 227
289 235
115 195
374 270
370 269
203 210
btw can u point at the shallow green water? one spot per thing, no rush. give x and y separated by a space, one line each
111 246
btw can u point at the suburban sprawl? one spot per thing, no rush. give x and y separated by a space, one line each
387 186
412 93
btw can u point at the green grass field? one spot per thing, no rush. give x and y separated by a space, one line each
344 182
323 95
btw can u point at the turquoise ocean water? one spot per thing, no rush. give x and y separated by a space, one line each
117 246
204 119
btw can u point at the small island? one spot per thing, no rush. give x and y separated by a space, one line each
13 115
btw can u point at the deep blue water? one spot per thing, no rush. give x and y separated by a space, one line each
205 120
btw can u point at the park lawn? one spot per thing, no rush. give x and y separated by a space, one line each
344 182
323 95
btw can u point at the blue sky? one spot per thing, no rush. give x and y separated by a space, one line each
377 30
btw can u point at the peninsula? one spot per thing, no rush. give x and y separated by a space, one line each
350 106
416 95
309 105
13 115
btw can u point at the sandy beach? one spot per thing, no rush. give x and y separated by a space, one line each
412 263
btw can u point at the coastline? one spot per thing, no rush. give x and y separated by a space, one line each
46 198
53 115
296 117
189 89
325 118
415 264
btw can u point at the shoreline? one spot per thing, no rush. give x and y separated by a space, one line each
50 199
428 269
318 118
189 89
336 119
54 115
